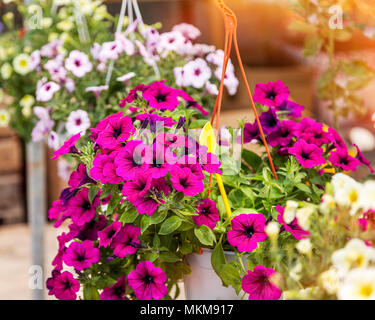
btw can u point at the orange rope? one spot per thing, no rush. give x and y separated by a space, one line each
230 22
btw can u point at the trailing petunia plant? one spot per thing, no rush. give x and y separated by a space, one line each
141 199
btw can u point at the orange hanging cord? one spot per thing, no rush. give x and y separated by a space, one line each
230 22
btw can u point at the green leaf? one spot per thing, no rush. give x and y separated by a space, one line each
169 257
218 258
145 223
230 275
170 225
186 248
90 292
313 44
252 159
204 235
93 192
129 215
304 188
159 216
243 210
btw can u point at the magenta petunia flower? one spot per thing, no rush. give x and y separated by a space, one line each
89 231
69 146
107 235
247 231
161 162
363 159
103 124
104 168
65 287
117 131
336 139
250 132
294 228
269 121
115 292
154 118
290 109
192 163
209 161
159 96
259 285
79 177
133 159
80 208
133 94
137 187
308 155
126 241
191 103
284 135
207 213
58 260
150 200
315 134
81 255
341 158
184 180
271 94
148 281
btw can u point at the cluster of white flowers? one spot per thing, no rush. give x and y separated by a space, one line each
350 194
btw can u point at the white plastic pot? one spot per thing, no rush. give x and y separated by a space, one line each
203 283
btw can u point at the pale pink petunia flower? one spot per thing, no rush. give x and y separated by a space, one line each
50 49
211 88
187 30
126 77
78 63
34 61
97 90
180 77
110 51
78 121
197 72
44 125
46 91
53 140
127 45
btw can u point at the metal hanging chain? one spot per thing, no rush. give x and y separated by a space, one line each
230 22
130 5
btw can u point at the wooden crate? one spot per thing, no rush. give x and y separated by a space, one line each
10 155
12 199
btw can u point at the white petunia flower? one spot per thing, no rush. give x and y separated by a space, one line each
197 73
359 284
290 211
78 121
4 118
329 280
367 195
355 255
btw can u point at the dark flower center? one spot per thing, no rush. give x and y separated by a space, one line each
271 95
86 205
148 279
118 291
249 231
81 258
197 72
305 156
160 98
344 161
78 122
183 182
77 63
67 284
116 132
111 233
205 211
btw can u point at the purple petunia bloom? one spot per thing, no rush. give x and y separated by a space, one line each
338 142
115 292
209 161
81 255
133 95
184 180
154 118
64 286
162 161
89 231
191 103
148 281
250 132
62 239
133 159
284 135
80 209
191 163
363 159
117 131
308 155
149 201
315 134
290 109
341 158
104 168
271 94
247 231
68 146
161 97
107 235
137 187
269 121
79 177
258 284
207 213
102 124
294 228
126 241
